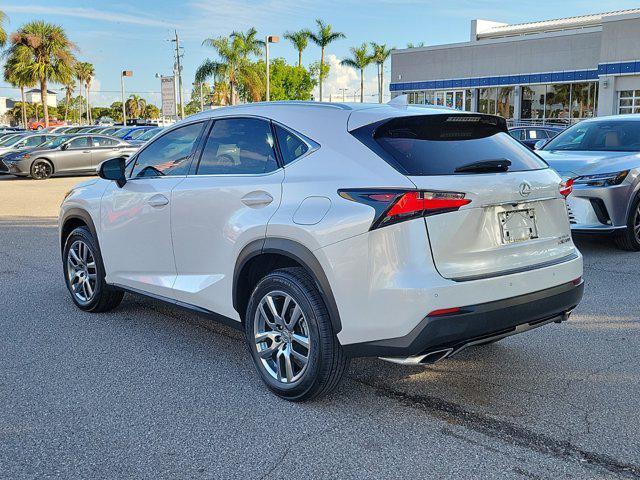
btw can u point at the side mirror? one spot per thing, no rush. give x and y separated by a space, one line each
539 144
113 169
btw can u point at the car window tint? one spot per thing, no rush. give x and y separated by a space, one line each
238 146
33 141
104 142
291 147
169 154
80 142
517 134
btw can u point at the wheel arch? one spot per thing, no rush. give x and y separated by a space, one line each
72 219
261 256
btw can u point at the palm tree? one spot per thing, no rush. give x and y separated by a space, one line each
89 74
323 37
51 55
17 72
3 32
380 55
299 40
135 106
227 68
83 72
360 59
68 94
247 42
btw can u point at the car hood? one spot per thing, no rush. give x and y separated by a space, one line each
576 163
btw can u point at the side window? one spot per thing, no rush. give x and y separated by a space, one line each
168 155
80 142
104 142
517 134
33 141
290 145
238 146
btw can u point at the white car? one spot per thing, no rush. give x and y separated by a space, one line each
328 231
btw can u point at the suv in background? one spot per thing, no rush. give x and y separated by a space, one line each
330 231
531 135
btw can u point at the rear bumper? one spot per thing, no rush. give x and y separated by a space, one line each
477 322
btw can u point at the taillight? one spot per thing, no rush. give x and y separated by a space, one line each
393 206
566 187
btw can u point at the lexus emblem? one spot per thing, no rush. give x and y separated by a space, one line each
525 189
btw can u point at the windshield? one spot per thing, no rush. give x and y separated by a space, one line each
56 142
599 136
12 140
137 133
8 138
121 133
148 134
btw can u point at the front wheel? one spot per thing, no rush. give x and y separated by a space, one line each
41 170
84 273
630 238
291 338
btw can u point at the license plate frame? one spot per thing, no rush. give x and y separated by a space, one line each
518 225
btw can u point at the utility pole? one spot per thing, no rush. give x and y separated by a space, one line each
269 39
201 98
179 72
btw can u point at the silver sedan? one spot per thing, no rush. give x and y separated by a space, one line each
65 155
602 156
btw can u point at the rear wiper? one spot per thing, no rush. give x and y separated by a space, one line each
498 165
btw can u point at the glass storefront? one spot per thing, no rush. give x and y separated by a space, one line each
559 103
629 101
496 101
459 99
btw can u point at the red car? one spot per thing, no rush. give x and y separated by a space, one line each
39 124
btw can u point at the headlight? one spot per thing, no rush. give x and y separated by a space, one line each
602 179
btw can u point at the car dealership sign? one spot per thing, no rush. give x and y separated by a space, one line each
168 91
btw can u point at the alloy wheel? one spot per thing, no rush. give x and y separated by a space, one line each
42 170
281 334
81 271
636 223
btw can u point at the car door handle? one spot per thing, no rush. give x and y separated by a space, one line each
158 200
86 151
257 199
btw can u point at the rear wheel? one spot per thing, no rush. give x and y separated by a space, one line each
630 238
84 273
291 338
41 170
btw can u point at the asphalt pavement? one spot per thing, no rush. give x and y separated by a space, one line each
151 391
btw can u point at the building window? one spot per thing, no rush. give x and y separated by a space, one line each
496 101
559 103
629 101
583 99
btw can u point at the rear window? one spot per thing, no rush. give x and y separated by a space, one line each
441 144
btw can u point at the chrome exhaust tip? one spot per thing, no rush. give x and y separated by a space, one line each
422 359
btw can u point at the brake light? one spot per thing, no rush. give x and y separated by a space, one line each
394 206
566 187
445 311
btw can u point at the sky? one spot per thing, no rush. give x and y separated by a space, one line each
134 35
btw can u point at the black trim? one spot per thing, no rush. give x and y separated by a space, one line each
79 214
476 322
600 210
299 253
185 306
511 271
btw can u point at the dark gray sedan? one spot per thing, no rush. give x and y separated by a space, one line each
66 155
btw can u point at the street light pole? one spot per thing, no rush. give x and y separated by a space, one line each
179 73
269 39
125 73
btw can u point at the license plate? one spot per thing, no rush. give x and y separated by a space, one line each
518 225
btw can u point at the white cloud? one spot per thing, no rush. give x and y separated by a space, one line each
90 13
346 77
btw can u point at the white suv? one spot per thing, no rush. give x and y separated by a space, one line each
328 231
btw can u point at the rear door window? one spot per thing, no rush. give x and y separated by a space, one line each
440 144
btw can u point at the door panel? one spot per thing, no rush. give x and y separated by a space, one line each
135 234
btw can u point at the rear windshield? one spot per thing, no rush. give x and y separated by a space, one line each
441 144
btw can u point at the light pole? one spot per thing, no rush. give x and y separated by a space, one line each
343 90
125 73
179 72
269 39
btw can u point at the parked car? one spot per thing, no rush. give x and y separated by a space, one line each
20 142
130 133
99 129
4 137
79 154
530 135
602 157
111 130
145 136
331 231
40 124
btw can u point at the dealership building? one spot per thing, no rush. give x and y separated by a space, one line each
552 71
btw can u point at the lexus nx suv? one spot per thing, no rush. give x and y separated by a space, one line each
602 156
330 231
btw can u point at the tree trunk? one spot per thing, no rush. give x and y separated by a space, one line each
299 58
321 69
381 82
233 93
89 119
43 98
81 106
362 85
24 109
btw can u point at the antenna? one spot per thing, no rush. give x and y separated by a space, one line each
401 101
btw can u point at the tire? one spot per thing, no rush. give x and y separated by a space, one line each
84 266
41 169
325 360
630 239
